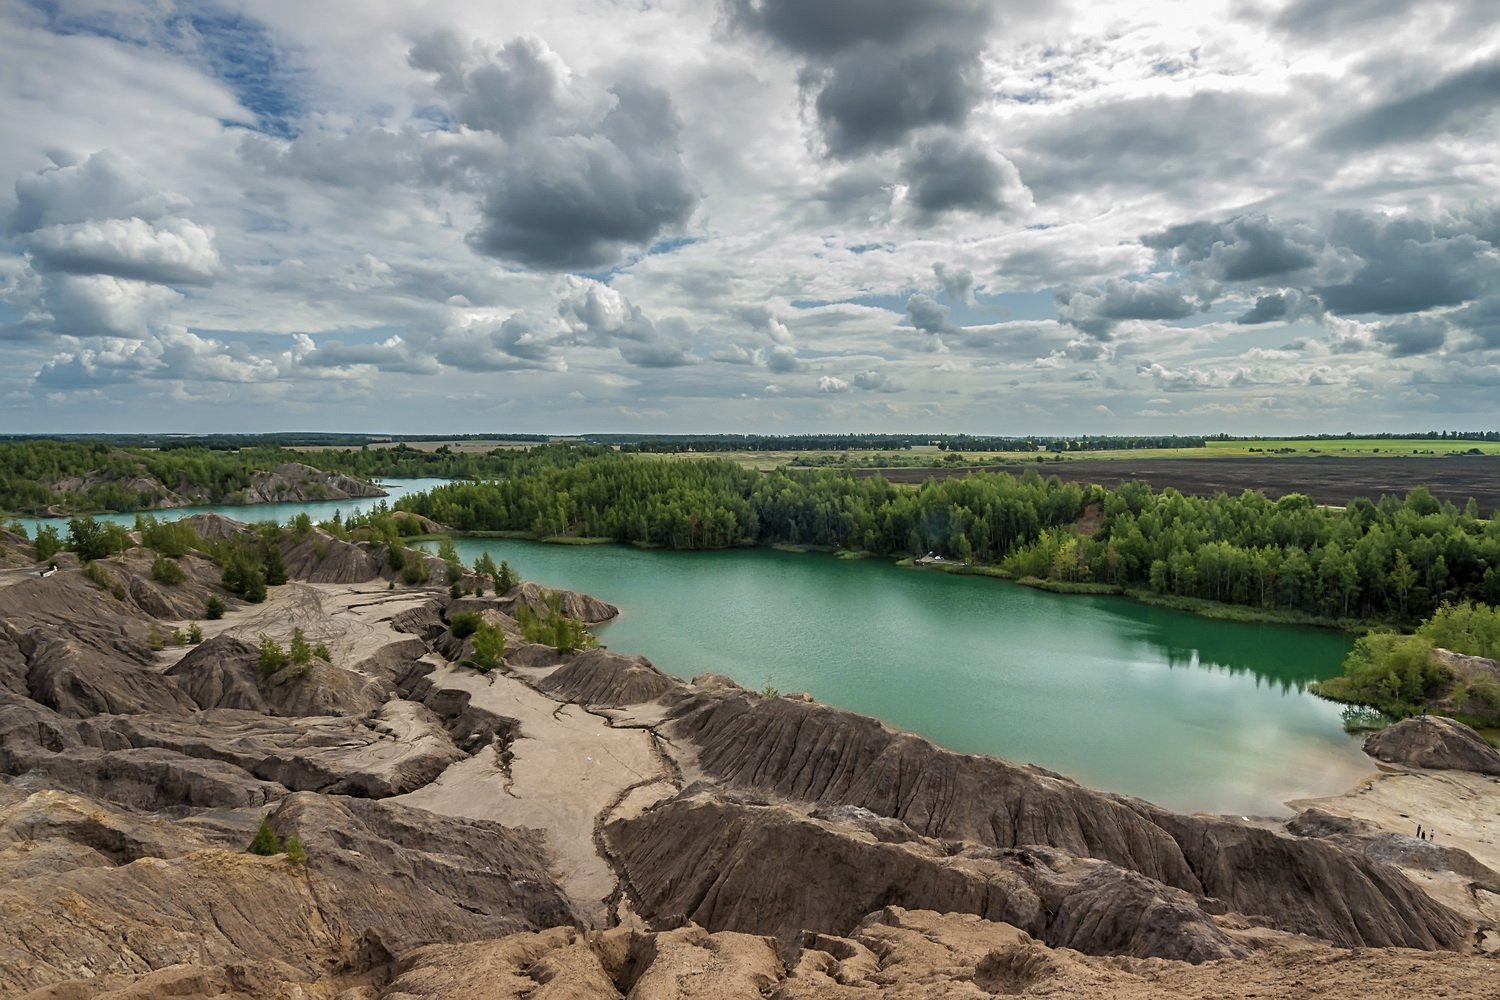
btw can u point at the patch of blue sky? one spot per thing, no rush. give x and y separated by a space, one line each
232 48
436 115
672 243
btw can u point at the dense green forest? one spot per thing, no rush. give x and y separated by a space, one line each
1396 559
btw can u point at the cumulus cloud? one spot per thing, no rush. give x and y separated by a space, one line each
876 71
601 316
930 319
957 281
575 202
103 186
1245 248
947 173
874 381
505 90
832 384
1097 311
171 251
90 305
172 354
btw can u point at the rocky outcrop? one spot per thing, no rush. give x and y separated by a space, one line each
1435 742
291 482
709 860
126 896
294 482
225 672
823 755
582 607
318 557
402 747
597 677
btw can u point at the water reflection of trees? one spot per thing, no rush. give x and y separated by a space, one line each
1286 658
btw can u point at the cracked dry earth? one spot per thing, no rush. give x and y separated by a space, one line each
577 825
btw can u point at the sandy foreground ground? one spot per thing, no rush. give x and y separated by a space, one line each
1459 810
568 773
571 770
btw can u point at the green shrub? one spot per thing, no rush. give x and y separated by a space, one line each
47 543
272 656
195 634
296 853
266 843
94 572
164 570
301 650
213 608
156 640
553 628
323 653
489 647
464 623
96 539
414 572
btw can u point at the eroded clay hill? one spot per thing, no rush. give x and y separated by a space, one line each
580 824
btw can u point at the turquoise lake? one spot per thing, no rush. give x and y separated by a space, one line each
1193 714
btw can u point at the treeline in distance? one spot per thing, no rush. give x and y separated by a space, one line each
1395 559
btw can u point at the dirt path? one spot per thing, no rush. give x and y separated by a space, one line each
569 771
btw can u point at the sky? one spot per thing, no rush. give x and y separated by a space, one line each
770 216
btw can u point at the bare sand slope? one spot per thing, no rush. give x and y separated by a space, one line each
567 772
1458 809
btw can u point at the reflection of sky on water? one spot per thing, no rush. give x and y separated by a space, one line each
1192 713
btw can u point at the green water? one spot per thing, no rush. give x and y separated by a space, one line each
1191 713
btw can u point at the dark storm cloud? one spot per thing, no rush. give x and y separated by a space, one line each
1097 311
575 202
1246 248
1404 266
1482 320
1455 104
871 97
875 70
1413 336
1285 305
948 173
826 27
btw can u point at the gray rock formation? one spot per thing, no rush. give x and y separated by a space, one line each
1436 742
826 756
600 678
709 860
225 672
130 895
